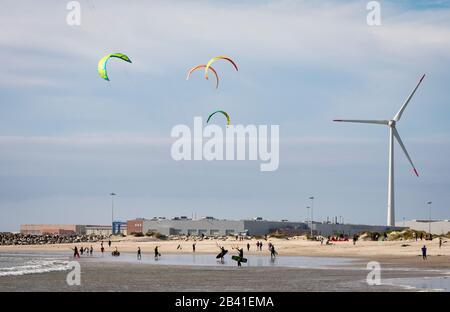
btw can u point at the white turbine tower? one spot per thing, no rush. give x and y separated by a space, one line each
392 133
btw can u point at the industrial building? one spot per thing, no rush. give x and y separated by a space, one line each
437 227
327 229
209 226
68 229
213 227
63 229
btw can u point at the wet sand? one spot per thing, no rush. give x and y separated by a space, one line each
98 276
117 275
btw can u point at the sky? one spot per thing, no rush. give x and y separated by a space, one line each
68 138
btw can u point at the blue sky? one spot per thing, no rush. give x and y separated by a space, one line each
68 138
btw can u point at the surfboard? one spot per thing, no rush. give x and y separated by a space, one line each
221 254
237 258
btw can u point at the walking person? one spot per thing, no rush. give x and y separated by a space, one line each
157 254
81 250
273 252
222 253
91 251
109 243
193 247
75 252
240 255
424 252
248 246
440 242
139 253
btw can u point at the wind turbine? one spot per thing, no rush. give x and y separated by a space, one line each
392 133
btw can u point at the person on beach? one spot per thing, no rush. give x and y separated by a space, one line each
355 238
248 246
75 252
116 253
81 250
109 243
273 252
139 253
222 253
240 255
91 251
157 254
179 246
102 249
260 246
440 242
424 252
193 247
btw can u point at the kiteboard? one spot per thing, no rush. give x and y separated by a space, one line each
237 258
221 254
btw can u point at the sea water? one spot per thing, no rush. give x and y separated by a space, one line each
21 264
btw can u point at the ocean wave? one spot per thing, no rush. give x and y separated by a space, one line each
34 267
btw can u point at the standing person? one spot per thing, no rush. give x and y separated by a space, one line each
257 245
260 246
193 247
139 253
75 252
424 252
222 254
81 250
91 251
440 242
102 249
354 239
109 243
240 255
157 254
248 246
273 252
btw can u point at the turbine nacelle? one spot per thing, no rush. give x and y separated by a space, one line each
391 123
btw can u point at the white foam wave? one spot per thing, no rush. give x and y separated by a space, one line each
34 267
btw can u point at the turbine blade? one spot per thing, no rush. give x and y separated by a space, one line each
400 112
399 140
378 122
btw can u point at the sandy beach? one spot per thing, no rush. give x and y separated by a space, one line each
293 247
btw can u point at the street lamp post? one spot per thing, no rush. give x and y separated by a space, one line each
112 209
312 213
308 216
429 217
